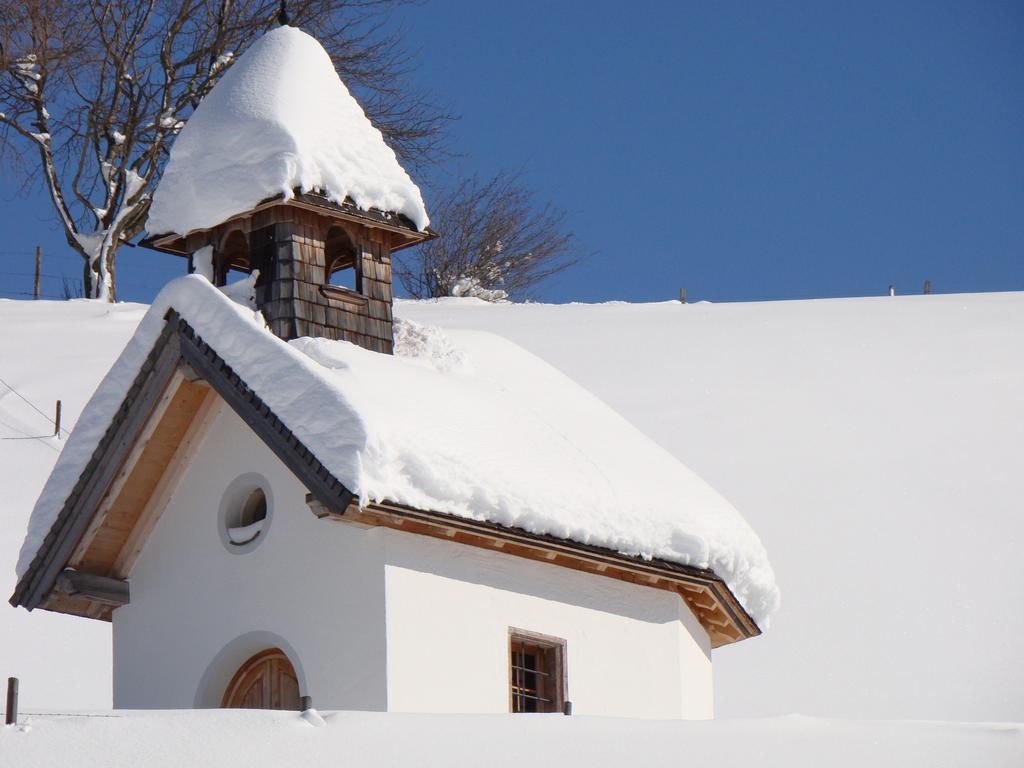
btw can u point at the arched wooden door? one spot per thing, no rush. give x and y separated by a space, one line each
265 681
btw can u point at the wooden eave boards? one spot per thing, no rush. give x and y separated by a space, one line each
404 232
84 563
707 596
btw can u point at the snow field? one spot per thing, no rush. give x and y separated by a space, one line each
252 738
50 350
874 444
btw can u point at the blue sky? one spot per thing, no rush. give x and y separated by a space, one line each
744 151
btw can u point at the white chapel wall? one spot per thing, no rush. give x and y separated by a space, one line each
198 610
374 619
631 651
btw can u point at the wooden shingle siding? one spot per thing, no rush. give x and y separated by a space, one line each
287 245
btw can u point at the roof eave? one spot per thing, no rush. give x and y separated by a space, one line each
706 594
397 224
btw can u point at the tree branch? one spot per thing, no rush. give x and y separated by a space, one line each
496 241
122 76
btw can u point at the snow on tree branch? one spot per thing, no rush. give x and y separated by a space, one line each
93 93
496 241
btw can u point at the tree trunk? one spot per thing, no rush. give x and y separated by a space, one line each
98 272
87 280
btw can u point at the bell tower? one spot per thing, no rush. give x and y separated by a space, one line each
278 170
324 268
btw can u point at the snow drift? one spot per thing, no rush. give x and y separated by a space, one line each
249 738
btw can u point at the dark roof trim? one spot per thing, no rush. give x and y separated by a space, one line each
177 342
375 215
257 415
172 242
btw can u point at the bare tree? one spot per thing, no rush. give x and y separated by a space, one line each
496 241
93 92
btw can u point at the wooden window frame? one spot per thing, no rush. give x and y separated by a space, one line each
554 649
343 263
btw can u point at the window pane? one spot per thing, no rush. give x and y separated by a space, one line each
536 675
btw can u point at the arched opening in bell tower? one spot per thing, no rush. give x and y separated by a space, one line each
341 260
233 260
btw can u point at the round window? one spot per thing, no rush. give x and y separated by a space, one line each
248 522
245 513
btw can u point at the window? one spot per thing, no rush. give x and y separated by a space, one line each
246 524
342 261
246 512
232 262
536 672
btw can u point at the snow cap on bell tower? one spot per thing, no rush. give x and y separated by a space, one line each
279 120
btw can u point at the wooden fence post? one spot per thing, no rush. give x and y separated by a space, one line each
12 701
39 264
927 287
56 422
682 295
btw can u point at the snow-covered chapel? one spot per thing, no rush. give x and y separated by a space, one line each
282 495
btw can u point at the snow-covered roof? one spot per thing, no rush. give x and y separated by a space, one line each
467 424
279 119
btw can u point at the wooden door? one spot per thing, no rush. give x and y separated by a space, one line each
266 681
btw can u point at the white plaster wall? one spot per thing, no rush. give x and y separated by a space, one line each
631 651
318 589
312 587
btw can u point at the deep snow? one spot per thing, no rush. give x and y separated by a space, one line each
50 350
253 738
874 444
279 119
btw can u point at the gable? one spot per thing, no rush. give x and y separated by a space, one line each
140 489
104 523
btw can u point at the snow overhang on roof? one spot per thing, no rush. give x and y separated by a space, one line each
403 232
279 120
509 453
